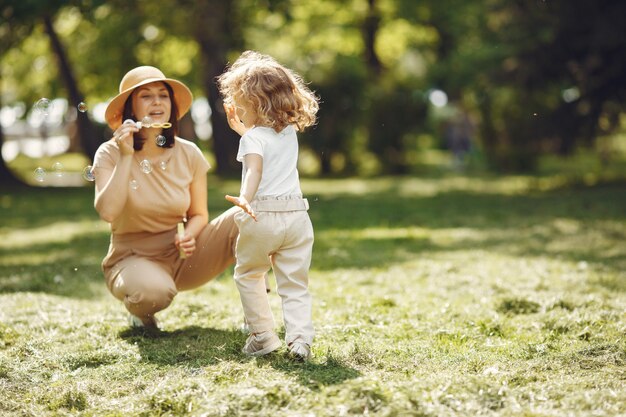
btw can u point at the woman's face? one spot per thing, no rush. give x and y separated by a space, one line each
152 100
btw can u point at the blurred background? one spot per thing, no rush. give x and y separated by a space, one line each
407 87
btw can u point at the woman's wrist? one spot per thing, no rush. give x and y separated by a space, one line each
126 151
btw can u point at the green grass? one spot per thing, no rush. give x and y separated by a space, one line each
433 296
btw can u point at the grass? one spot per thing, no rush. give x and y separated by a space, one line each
434 296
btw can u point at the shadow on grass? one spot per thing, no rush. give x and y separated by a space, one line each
196 346
515 225
30 207
316 375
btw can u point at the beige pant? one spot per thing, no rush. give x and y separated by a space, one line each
144 270
282 239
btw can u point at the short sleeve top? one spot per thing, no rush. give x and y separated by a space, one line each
280 160
158 199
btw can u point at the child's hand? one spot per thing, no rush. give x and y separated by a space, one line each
234 121
243 203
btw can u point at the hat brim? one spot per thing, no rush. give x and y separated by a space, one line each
115 108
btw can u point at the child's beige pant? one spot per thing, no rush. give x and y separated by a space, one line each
144 270
282 239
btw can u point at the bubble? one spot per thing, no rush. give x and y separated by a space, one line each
571 94
134 184
88 174
82 107
57 168
163 165
40 174
146 121
438 98
146 166
160 140
43 106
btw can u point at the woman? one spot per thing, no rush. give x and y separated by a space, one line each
147 181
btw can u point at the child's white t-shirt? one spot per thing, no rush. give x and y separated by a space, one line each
280 160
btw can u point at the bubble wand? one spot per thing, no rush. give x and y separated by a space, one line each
181 234
147 122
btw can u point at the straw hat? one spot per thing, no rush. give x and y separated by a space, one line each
141 76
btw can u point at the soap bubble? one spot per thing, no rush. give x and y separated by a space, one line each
82 107
43 106
40 174
146 121
134 184
88 174
438 98
57 168
146 166
163 165
160 140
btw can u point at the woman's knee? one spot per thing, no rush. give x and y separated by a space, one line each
144 287
149 300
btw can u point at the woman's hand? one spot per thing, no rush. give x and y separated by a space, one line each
234 121
186 243
242 202
123 136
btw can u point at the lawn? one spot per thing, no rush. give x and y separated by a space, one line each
433 296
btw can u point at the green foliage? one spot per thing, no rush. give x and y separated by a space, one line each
538 77
343 102
396 114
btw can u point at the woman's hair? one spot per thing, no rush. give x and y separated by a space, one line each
169 133
279 95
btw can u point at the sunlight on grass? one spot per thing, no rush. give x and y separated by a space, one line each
58 232
506 185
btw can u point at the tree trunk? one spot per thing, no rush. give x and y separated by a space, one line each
215 35
7 178
488 130
86 130
370 30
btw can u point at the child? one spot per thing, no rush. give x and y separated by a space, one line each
267 104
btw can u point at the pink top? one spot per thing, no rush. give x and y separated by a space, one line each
158 200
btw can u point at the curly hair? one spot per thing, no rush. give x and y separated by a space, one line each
279 95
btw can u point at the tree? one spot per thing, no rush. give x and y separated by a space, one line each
11 32
7 178
213 25
216 32
26 15
86 131
541 74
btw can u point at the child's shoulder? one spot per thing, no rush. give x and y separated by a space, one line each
269 132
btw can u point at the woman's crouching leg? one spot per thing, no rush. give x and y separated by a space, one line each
144 287
215 251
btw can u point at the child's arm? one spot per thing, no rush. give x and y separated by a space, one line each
251 181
